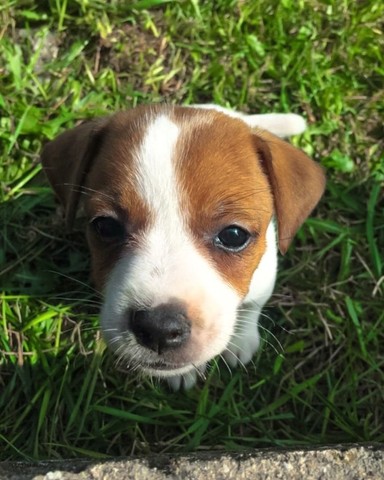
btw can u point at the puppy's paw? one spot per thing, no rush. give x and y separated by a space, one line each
241 348
187 380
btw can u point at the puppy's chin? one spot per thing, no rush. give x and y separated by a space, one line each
167 371
191 359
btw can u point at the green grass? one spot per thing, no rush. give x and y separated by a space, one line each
319 377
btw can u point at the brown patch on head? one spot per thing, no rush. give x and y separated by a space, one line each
223 184
231 175
93 164
110 188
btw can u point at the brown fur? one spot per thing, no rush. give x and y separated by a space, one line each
228 174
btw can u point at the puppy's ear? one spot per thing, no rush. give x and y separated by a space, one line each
297 183
68 158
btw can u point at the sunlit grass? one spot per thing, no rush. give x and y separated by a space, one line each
318 378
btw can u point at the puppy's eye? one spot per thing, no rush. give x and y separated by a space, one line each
108 229
232 238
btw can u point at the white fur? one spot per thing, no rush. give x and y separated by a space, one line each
280 124
245 340
154 173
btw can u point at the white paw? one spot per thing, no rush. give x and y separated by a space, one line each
185 381
241 348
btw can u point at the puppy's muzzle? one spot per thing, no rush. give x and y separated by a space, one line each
162 328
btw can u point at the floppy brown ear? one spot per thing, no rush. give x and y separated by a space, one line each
297 183
67 160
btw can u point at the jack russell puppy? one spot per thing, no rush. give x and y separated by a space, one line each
186 207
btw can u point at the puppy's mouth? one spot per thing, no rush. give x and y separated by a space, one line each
156 366
164 366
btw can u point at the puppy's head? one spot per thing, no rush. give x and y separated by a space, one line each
178 202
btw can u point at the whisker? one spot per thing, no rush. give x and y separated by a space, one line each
273 336
226 364
84 301
237 358
81 189
69 277
199 372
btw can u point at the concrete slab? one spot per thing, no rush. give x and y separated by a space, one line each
349 462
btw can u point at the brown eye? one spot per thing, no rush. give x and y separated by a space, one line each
108 229
232 238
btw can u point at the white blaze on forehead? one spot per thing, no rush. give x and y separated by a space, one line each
162 244
154 170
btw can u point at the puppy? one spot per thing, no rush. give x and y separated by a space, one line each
185 208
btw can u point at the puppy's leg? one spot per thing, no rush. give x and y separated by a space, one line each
245 340
186 380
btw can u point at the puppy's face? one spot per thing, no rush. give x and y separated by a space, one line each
175 237
178 203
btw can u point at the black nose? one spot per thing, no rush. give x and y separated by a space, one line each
162 328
